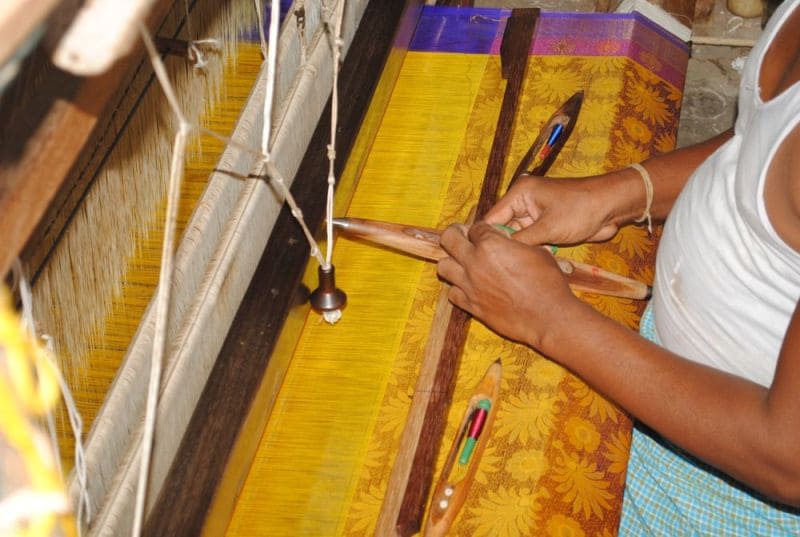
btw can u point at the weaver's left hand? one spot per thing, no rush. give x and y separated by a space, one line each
515 289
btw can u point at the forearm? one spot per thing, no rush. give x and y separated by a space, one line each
724 420
669 173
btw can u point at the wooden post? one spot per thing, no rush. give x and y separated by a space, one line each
410 481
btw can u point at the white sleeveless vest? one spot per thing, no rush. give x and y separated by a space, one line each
726 284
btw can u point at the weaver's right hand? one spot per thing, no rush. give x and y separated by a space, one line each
558 211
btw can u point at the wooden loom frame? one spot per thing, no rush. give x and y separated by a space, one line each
232 412
240 211
236 387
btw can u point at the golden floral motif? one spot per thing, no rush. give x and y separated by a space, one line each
626 151
598 407
364 511
544 374
581 253
598 65
394 413
646 274
577 167
665 142
491 463
555 85
563 526
582 434
612 261
637 130
594 120
556 459
582 485
504 512
616 451
527 464
634 242
593 145
623 310
527 416
647 101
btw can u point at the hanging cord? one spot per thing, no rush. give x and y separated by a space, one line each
164 279
196 46
167 260
83 513
335 34
274 174
34 497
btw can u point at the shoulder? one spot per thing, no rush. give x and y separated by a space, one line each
782 191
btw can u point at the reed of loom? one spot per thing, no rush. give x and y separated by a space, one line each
103 146
403 507
231 414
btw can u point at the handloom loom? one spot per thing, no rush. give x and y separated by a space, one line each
272 422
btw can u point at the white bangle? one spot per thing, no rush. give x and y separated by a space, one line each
648 192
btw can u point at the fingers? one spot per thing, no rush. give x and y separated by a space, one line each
459 299
539 232
518 204
502 213
455 243
482 231
449 270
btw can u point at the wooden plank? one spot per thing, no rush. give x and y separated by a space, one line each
19 20
54 132
404 505
222 436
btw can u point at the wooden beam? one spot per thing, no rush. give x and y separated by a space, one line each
52 145
410 481
19 22
220 442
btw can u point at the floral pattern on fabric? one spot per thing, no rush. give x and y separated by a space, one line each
556 460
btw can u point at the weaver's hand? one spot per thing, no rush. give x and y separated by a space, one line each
558 211
515 289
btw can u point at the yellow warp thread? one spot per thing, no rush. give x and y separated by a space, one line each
557 456
329 400
107 347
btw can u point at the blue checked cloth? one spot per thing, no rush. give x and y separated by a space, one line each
669 493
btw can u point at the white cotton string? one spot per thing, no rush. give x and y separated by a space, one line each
162 300
196 54
266 134
196 46
336 51
83 515
272 64
277 178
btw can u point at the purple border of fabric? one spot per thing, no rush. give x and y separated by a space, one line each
455 29
613 34
631 35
